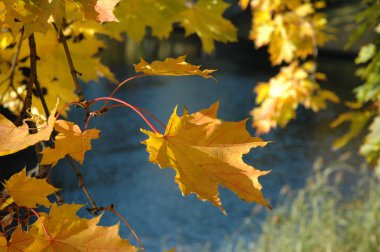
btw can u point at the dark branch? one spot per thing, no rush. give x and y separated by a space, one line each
31 81
82 185
73 72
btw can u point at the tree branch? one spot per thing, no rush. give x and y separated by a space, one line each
13 67
32 79
73 72
94 208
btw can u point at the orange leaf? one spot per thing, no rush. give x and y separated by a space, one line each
105 10
27 191
13 139
61 231
206 152
19 241
70 141
172 67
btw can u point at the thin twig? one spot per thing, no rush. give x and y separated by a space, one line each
42 98
82 185
13 66
73 72
32 79
112 209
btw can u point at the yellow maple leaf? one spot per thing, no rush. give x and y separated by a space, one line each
136 15
18 242
172 67
205 18
27 191
70 141
13 139
65 232
291 29
280 97
206 152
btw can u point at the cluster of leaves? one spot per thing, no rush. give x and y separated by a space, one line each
365 111
61 229
204 151
292 30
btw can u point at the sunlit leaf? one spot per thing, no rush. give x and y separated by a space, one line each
205 18
172 67
27 191
13 139
70 141
206 152
75 234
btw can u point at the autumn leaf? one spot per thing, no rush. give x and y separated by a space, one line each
279 98
205 18
206 152
27 191
104 8
70 141
61 231
13 139
136 15
291 29
18 242
358 120
172 67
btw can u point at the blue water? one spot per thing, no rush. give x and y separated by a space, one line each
117 169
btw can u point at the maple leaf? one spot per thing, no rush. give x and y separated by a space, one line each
70 141
280 97
67 232
205 18
13 139
206 152
18 242
30 14
136 15
27 191
172 67
104 8
291 29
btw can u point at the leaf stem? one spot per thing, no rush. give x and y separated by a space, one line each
142 110
64 107
130 106
42 223
121 84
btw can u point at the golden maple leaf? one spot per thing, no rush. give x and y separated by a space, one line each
280 97
172 67
206 152
70 141
205 18
18 242
62 230
13 139
27 191
136 15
